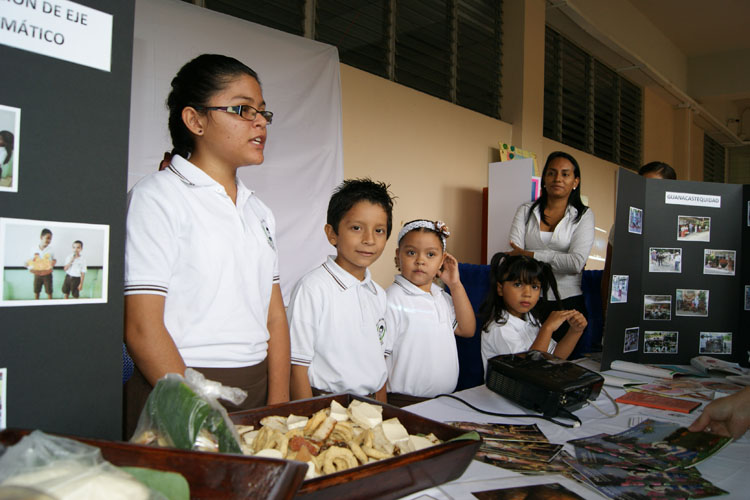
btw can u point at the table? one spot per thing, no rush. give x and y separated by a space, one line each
729 469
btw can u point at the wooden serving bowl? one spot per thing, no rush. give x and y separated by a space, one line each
210 475
389 478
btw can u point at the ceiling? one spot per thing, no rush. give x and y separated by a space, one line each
700 27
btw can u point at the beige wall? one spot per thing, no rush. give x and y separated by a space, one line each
433 154
658 129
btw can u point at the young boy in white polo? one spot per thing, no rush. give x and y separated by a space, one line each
75 271
337 313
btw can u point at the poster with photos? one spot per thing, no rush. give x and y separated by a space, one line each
631 339
10 142
53 262
635 221
662 342
619 293
689 302
690 228
719 261
715 343
657 307
664 260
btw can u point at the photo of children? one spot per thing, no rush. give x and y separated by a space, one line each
715 343
50 262
657 307
691 228
10 126
691 302
619 292
719 261
660 342
631 339
635 221
665 260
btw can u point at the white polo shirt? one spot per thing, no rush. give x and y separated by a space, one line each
337 328
424 361
77 266
516 335
214 261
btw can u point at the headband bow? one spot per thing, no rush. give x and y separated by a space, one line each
438 226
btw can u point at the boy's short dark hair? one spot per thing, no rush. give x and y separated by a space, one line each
79 242
352 191
659 168
45 232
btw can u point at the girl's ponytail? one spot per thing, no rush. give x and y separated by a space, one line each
492 307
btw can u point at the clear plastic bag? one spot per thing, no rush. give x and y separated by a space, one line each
184 412
68 470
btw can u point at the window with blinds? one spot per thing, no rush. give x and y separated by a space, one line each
588 106
283 15
450 49
714 155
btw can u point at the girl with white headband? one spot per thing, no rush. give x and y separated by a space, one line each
422 319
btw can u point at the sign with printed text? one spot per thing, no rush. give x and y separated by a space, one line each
60 29
692 199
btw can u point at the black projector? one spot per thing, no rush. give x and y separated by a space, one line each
543 383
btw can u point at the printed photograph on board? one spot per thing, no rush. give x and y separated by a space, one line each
631 339
658 307
660 342
747 297
690 302
10 130
3 399
664 260
53 262
719 261
691 228
635 221
619 292
715 343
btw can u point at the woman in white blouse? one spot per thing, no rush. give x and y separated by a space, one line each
558 229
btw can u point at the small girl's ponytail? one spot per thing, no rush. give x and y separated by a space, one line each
493 306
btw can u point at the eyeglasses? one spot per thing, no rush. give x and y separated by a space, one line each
245 111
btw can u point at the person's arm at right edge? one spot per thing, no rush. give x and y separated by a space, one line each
149 343
728 416
300 383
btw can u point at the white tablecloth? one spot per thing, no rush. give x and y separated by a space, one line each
729 469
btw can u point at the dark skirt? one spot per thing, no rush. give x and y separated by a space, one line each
401 400
252 379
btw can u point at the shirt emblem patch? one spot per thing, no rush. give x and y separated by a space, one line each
381 330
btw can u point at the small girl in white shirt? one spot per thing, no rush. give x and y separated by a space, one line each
422 318
515 310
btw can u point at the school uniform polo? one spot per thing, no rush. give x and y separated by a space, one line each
424 361
516 335
214 262
338 330
77 266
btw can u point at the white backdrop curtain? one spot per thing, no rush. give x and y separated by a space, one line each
301 85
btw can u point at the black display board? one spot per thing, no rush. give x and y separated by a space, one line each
64 362
660 299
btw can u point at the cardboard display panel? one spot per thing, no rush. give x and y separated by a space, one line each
681 247
64 362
